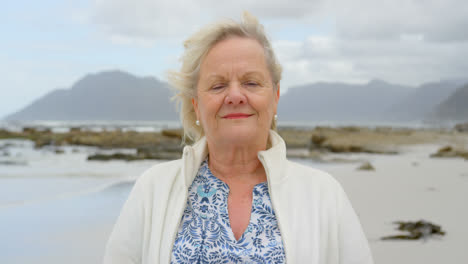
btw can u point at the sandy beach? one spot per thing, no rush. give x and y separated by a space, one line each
49 218
409 187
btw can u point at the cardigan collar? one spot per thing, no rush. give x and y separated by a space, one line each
272 159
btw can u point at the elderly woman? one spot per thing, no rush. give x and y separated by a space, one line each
234 197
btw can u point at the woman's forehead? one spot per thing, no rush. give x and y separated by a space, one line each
233 49
235 55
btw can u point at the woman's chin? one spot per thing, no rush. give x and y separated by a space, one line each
242 135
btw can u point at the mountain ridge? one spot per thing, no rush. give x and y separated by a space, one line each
455 107
118 95
107 95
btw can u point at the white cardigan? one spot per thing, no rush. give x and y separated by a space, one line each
317 222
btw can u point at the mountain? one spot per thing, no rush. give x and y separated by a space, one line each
109 95
340 102
418 104
454 107
117 95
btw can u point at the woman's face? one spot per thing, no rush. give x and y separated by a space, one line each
235 99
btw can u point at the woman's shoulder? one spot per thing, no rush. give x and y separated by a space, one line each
314 185
160 174
307 175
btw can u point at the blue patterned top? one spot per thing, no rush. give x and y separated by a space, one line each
205 234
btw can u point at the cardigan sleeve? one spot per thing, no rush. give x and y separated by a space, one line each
353 244
125 242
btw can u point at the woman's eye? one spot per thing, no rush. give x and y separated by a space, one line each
217 87
251 83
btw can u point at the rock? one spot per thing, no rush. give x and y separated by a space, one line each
450 152
446 149
463 127
350 148
43 141
138 156
165 156
173 133
59 151
13 162
162 147
417 230
29 130
351 129
317 140
343 148
115 156
75 129
366 166
163 151
295 138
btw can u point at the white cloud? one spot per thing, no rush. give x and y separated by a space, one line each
369 19
361 19
150 19
397 40
406 61
145 19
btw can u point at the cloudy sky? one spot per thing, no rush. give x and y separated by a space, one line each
50 44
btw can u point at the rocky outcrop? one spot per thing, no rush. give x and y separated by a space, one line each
316 144
323 140
366 166
416 230
463 127
140 155
450 152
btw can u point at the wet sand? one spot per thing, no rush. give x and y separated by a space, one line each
409 187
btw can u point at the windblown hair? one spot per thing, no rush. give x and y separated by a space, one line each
197 47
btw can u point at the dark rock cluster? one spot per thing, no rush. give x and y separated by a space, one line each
463 127
450 152
416 230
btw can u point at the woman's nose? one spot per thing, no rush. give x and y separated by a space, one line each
235 95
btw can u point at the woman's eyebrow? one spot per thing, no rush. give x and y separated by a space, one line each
253 74
220 77
215 77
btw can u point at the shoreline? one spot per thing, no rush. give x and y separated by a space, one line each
315 143
406 186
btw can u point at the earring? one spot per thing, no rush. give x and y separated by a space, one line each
197 122
276 117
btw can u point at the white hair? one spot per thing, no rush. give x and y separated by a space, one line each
197 46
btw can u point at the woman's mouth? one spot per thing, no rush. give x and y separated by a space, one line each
236 116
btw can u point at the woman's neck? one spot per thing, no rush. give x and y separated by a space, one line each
237 163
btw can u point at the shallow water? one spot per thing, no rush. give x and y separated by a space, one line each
59 208
65 230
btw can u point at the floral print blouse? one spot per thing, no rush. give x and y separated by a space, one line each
205 234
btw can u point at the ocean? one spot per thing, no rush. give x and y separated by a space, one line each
59 208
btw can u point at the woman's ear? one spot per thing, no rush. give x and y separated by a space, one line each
195 107
277 92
